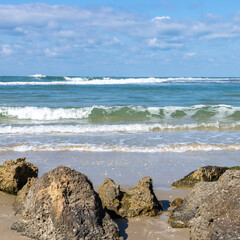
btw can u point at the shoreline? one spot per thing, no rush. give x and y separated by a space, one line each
128 168
140 228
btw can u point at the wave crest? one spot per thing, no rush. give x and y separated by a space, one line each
110 114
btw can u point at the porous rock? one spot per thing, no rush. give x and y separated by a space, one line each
211 209
18 204
137 201
62 205
218 217
176 202
183 214
15 174
203 174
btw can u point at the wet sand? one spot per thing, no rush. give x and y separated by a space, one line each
128 168
144 228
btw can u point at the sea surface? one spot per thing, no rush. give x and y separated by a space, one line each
115 114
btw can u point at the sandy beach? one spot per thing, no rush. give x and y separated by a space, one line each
144 228
125 169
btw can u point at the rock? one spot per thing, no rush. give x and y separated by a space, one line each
176 203
212 209
205 174
234 168
18 204
230 175
14 175
137 201
111 196
62 205
218 217
183 214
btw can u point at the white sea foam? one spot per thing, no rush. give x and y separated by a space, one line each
45 113
38 76
117 81
106 128
53 114
193 147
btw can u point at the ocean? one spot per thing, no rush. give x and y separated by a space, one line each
115 114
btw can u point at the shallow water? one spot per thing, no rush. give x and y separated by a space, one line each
128 168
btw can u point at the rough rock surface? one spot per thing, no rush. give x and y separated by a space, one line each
176 203
218 217
212 209
62 205
203 174
137 201
183 214
18 204
14 175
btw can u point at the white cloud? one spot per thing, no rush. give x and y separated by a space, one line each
161 18
6 49
190 54
154 42
49 52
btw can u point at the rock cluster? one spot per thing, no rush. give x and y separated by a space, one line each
15 174
212 209
137 201
205 174
63 205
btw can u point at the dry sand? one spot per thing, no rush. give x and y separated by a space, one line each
145 228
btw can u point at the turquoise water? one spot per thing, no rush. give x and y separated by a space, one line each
42 113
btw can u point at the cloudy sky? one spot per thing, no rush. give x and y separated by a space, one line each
120 38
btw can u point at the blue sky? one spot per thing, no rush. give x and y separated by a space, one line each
120 38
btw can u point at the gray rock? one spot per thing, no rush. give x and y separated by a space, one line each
18 204
137 201
62 205
218 217
230 175
205 174
212 209
15 174
183 214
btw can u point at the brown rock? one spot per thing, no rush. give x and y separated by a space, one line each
137 201
176 203
203 174
62 205
14 175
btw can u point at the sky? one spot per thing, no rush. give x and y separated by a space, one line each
150 38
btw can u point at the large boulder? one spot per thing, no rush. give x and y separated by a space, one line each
181 216
15 174
62 205
203 174
137 201
212 209
218 217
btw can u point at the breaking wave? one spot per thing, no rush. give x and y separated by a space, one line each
108 114
51 80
